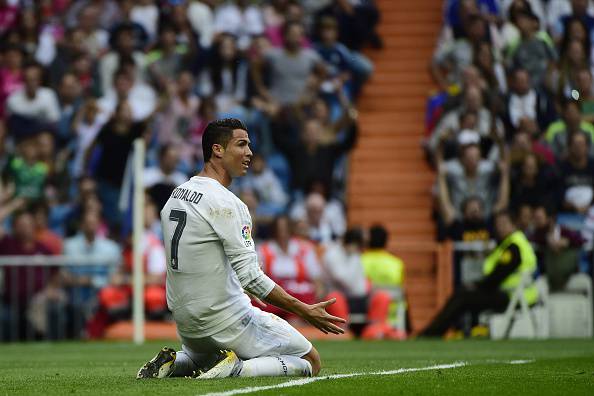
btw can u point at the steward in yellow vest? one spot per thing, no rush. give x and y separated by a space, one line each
503 269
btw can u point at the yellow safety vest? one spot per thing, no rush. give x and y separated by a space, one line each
527 265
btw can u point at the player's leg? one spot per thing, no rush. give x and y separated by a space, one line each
269 346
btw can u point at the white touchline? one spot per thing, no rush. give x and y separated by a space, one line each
305 381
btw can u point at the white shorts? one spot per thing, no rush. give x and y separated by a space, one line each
255 335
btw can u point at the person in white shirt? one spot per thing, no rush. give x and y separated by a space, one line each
33 100
211 261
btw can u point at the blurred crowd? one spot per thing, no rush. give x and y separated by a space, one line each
81 80
511 126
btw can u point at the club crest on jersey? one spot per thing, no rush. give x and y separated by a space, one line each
246 234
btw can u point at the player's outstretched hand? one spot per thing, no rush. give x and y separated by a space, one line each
317 316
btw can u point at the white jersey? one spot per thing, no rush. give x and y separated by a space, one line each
211 257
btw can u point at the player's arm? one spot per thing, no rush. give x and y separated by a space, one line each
314 314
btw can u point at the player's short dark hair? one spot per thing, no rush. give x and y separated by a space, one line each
219 132
378 237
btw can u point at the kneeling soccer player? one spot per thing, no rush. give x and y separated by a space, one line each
211 261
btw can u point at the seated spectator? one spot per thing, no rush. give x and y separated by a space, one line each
562 79
26 170
470 176
167 59
292 67
331 130
37 41
558 133
68 49
96 39
492 70
146 14
201 19
578 10
349 67
324 221
11 73
140 96
558 247
86 280
21 283
473 225
261 180
454 121
292 264
86 124
453 56
576 176
532 183
527 140
123 48
52 241
225 77
344 268
240 19
8 16
503 269
585 92
70 95
524 103
533 51
32 100
309 159
161 180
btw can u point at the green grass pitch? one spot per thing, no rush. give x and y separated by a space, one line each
563 367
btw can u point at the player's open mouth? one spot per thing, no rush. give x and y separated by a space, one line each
246 164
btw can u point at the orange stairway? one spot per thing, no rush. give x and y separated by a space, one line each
390 181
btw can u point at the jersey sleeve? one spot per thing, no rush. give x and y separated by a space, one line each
232 224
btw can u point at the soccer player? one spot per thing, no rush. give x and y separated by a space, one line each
211 262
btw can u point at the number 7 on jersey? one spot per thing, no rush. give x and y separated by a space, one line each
178 216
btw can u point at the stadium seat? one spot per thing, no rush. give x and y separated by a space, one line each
570 310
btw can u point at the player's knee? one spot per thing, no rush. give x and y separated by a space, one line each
313 357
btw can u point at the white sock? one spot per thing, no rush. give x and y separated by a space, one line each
276 366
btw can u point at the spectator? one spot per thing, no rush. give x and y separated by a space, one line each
343 265
468 176
124 48
179 113
579 10
240 19
70 97
558 133
37 41
96 39
201 18
577 176
85 280
309 160
272 199
140 96
141 36
453 56
168 59
109 12
8 16
292 67
532 183
21 283
345 65
86 125
563 77
292 264
473 225
11 74
161 180
524 103
225 78
585 92
558 247
146 14
534 51
26 170
49 239
33 100
115 138
67 50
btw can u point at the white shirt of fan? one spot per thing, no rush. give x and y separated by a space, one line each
211 258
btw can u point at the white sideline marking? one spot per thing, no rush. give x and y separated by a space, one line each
305 381
521 361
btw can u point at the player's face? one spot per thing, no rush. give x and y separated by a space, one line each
237 155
